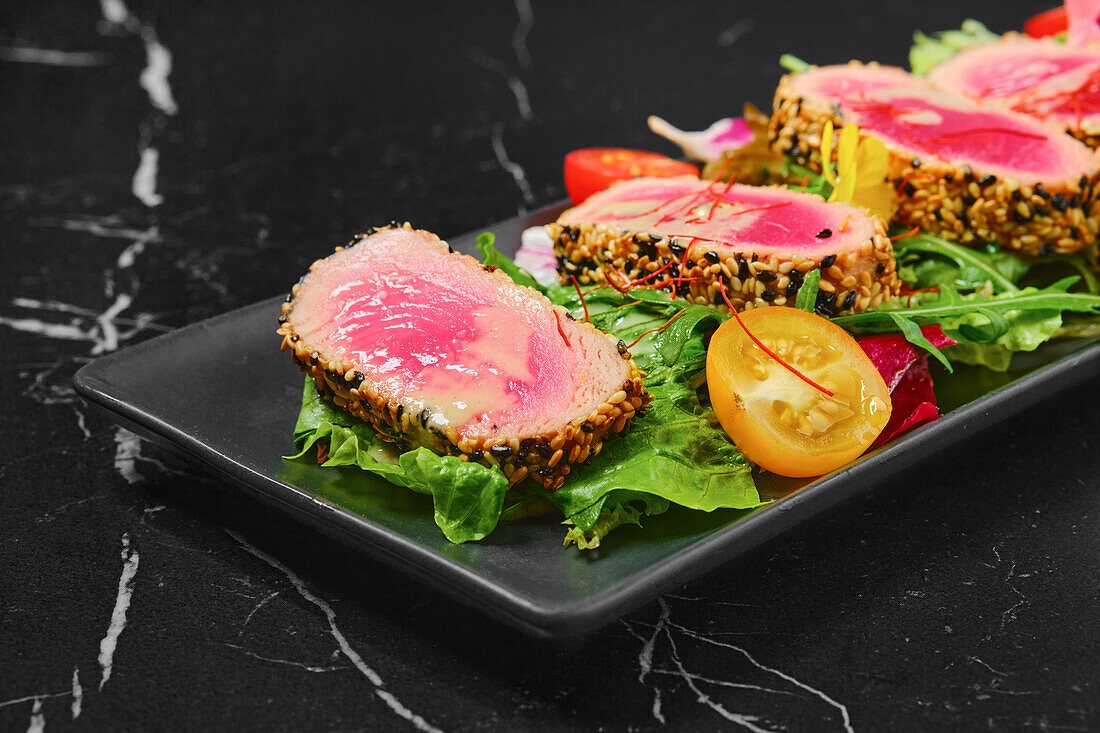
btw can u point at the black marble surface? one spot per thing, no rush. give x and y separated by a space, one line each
163 162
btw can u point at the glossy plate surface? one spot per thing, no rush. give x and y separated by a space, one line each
221 392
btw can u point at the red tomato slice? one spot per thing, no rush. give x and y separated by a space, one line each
1048 23
590 170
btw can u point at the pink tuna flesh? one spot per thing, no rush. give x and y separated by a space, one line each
433 330
958 131
714 216
851 80
1041 78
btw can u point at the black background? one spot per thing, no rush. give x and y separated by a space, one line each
962 594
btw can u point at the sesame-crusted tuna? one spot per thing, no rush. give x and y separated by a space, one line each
1046 79
700 236
966 171
433 349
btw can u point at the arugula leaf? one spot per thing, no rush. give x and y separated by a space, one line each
967 267
491 256
929 51
467 497
807 291
949 303
912 333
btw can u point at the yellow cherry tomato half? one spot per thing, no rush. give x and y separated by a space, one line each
778 420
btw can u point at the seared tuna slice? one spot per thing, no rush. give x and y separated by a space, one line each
966 171
432 349
1052 81
757 242
819 89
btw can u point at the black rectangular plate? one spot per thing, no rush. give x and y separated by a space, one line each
221 392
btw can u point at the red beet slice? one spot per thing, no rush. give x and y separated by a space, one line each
759 242
904 368
433 349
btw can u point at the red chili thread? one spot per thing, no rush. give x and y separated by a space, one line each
557 317
908 234
911 293
581 296
722 289
634 343
322 453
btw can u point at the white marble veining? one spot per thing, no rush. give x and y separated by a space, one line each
109 643
38 718
735 32
51 56
668 637
511 167
78 695
345 646
514 82
519 36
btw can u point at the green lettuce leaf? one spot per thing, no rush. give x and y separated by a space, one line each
467 497
492 257
929 51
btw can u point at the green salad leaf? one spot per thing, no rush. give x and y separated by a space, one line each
467 497
929 51
792 63
490 256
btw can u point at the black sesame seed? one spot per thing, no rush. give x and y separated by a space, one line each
544 450
1083 182
880 268
587 426
826 304
827 261
1075 200
792 289
295 339
987 179
1017 196
1046 249
477 455
423 417
1040 210
1059 202
501 450
621 346
824 234
849 301
545 471
909 189
797 276
915 162
676 248
768 295
766 276
400 412
797 153
1041 192
949 178
743 270
712 257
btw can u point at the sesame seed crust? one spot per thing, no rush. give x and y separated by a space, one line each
546 457
955 202
851 281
